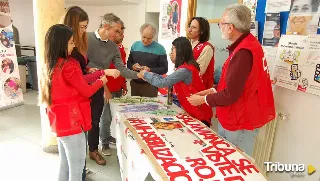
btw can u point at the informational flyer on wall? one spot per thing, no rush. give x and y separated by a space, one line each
310 80
271 34
170 16
270 56
10 87
291 55
276 6
252 5
303 18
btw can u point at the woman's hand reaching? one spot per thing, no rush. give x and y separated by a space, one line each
112 73
91 70
104 79
141 74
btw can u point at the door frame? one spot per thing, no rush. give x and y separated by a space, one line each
192 9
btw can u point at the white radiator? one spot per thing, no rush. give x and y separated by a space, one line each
264 142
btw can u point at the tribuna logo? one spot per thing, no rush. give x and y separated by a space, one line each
293 169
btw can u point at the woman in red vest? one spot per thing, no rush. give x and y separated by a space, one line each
65 93
203 51
185 79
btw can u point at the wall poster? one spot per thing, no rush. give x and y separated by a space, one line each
290 58
271 34
303 18
170 18
310 79
10 86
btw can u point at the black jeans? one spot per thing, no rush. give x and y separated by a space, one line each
97 103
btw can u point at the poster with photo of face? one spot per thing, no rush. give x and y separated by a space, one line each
271 34
304 17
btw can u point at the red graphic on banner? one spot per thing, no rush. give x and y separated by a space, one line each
218 154
126 131
161 152
132 164
197 142
142 152
220 161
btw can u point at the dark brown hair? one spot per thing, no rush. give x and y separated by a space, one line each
56 46
204 28
184 53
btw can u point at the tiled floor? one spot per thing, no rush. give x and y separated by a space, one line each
21 155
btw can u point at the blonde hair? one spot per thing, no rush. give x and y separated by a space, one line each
72 17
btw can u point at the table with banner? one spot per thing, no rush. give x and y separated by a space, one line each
161 140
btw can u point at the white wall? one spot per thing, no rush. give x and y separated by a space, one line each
153 6
22 16
133 17
297 140
154 19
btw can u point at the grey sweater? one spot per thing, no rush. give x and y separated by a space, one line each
101 54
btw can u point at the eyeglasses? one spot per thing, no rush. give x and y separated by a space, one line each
222 24
117 31
84 27
192 27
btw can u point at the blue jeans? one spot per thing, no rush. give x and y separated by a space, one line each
106 119
243 139
72 153
84 174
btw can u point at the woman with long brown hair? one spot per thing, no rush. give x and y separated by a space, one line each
77 19
66 94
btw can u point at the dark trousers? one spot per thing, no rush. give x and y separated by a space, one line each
143 89
97 103
206 123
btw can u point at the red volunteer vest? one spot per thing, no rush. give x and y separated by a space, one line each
202 112
115 85
255 107
207 77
